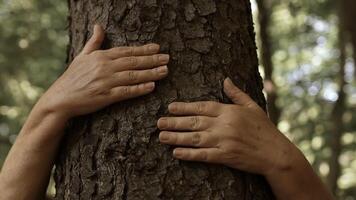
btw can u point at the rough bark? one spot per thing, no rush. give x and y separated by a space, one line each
337 125
266 52
115 153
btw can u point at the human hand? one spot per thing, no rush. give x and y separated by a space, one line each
97 78
238 135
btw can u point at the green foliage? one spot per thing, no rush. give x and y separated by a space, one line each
33 40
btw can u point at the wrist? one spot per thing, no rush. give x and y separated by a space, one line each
285 159
42 113
47 107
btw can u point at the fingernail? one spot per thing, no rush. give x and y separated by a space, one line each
162 123
164 58
150 86
162 70
164 137
177 153
153 47
229 81
97 27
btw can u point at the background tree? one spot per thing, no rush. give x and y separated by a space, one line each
265 10
115 153
338 109
349 7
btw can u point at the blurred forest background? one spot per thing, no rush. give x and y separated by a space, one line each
307 51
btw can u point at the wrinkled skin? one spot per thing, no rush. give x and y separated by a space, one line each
238 135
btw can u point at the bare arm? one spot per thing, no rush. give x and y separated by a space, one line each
95 79
27 168
241 136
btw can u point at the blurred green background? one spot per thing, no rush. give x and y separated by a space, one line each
311 87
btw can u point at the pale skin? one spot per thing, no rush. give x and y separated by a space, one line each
238 135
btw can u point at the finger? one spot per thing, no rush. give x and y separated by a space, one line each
120 52
200 154
236 95
95 41
139 76
127 92
194 123
140 62
207 108
193 139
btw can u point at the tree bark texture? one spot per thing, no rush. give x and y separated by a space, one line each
115 153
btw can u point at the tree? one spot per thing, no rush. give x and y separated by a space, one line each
349 7
337 127
266 51
115 153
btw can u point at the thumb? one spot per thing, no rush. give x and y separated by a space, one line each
95 41
236 95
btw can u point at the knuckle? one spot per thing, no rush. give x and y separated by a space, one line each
126 91
195 122
100 63
131 51
202 155
132 76
146 49
171 123
175 139
97 89
200 107
237 93
196 139
133 61
127 51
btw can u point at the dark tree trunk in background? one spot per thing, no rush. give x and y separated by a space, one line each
115 153
349 8
5 141
337 125
266 51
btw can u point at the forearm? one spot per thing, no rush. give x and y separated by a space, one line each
28 166
298 180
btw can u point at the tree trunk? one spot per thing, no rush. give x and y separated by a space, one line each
337 125
266 52
349 7
115 153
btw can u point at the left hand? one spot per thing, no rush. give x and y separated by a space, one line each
238 135
98 78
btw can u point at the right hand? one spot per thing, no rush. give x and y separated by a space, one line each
97 78
238 135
